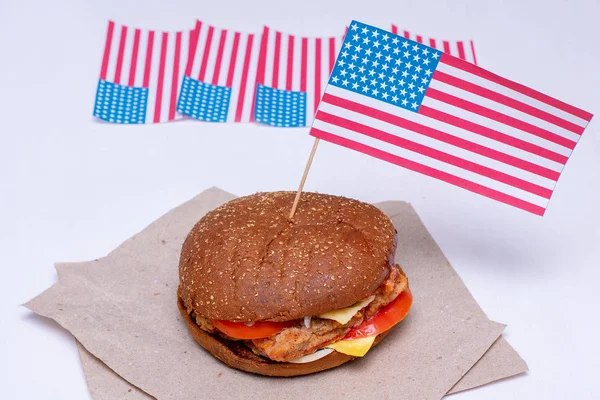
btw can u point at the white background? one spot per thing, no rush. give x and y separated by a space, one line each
72 189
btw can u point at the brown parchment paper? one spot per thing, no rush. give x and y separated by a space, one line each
122 308
499 362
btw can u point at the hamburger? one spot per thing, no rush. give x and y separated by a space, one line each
283 297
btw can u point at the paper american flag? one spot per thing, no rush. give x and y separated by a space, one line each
140 75
219 81
291 77
419 108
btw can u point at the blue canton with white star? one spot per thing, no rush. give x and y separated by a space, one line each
120 104
279 107
384 66
203 101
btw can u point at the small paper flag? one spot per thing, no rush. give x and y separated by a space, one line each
140 75
219 83
417 107
292 74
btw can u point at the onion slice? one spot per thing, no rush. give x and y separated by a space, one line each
307 321
312 357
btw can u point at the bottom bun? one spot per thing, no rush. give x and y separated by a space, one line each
237 355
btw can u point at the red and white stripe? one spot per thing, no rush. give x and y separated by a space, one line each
226 58
474 129
463 49
151 59
296 63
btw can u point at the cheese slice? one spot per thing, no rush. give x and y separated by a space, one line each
343 315
354 347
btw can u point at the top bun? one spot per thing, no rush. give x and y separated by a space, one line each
247 261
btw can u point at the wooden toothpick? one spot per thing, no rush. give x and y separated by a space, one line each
306 169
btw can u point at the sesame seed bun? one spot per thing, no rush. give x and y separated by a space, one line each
236 355
246 261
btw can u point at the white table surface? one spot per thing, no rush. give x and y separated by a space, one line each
72 189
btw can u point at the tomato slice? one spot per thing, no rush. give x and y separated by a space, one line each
385 319
260 329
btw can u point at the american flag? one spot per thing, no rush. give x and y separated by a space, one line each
417 107
140 75
291 77
463 49
219 80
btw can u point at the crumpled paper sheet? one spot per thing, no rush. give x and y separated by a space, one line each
122 308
